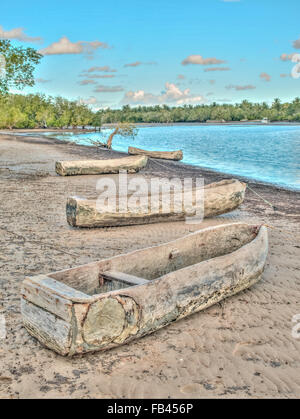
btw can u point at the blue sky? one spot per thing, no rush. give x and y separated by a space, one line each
166 51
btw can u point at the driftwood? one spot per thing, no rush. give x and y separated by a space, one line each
131 164
219 198
168 155
111 302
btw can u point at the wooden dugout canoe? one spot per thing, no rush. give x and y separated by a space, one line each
219 198
167 155
131 164
111 302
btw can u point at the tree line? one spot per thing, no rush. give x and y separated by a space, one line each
244 111
17 65
40 111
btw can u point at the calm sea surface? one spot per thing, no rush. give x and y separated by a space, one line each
265 153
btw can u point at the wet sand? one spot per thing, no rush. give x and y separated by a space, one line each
241 348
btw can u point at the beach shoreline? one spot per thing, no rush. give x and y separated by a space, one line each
156 124
240 348
185 166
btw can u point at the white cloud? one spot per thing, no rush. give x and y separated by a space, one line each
98 76
198 59
287 57
40 80
284 75
217 69
135 64
296 44
265 77
138 63
65 46
236 87
139 96
17 33
172 94
87 81
108 89
90 101
105 69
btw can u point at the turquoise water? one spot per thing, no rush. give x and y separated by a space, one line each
264 153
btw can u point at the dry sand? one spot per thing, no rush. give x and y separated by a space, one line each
241 348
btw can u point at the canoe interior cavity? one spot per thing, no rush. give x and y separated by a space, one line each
105 285
112 280
144 265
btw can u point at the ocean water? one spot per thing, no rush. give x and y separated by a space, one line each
265 153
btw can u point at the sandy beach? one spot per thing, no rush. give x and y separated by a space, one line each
240 348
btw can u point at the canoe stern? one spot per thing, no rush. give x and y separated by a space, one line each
70 321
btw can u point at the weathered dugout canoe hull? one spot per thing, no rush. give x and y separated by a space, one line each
97 307
219 198
167 155
131 164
